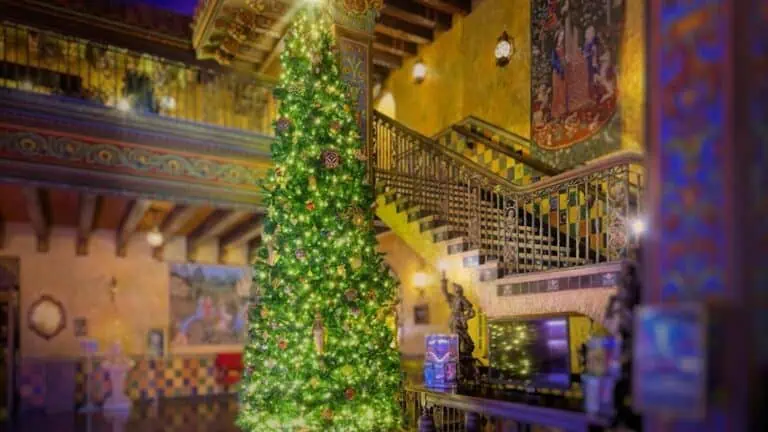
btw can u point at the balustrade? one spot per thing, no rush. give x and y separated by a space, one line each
428 410
580 217
50 63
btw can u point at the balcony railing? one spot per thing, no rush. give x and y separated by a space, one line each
580 217
447 412
50 63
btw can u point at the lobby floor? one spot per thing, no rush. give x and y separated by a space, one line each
189 415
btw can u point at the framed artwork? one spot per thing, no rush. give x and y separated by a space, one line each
208 305
46 317
156 342
80 325
421 314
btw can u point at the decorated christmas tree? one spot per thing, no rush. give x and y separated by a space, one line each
321 355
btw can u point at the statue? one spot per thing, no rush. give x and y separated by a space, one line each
462 311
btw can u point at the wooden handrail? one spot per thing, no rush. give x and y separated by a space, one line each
505 150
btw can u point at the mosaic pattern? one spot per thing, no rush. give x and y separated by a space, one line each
150 379
689 140
122 157
489 158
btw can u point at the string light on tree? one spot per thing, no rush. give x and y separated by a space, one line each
320 354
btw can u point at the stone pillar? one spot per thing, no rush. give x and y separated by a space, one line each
354 23
708 181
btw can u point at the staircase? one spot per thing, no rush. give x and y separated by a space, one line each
451 209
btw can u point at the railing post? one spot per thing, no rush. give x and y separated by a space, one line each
426 421
472 422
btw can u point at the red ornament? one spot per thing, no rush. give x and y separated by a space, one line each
282 344
349 393
310 205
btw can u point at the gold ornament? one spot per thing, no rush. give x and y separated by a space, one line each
341 270
314 382
360 155
347 370
312 183
355 262
318 332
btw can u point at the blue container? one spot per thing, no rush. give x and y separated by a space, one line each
441 362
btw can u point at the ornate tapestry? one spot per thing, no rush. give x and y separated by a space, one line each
574 74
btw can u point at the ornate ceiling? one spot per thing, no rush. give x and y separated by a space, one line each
247 33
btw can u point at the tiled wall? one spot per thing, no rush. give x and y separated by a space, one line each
150 379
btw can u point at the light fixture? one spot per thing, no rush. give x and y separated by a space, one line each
420 279
124 105
419 71
639 227
503 51
168 102
155 238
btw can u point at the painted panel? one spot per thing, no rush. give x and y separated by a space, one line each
574 75
354 72
208 304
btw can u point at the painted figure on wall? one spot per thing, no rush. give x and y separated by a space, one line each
574 54
208 304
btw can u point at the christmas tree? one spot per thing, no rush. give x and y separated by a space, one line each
320 355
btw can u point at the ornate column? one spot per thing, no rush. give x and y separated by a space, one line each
708 157
354 24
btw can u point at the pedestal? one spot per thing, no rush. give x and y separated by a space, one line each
118 401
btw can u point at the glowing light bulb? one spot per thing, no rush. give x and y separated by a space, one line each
639 227
124 105
155 238
419 71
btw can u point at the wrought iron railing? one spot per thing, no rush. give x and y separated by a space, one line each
50 63
583 216
436 411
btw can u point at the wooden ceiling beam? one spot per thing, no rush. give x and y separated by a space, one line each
402 30
39 217
458 7
172 224
2 232
219 222
243 233
395 46
408 11
387 60
86 220
253 250
129 224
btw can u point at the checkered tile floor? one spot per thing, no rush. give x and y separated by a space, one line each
187 415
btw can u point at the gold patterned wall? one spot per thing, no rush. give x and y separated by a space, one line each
463 79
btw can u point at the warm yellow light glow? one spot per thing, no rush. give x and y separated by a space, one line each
442 265
420 279
155 238
419 71
639 227
124 105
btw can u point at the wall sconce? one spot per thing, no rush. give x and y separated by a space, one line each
419 71
503 51
420 281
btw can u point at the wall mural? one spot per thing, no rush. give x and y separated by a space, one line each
209 304
574 77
